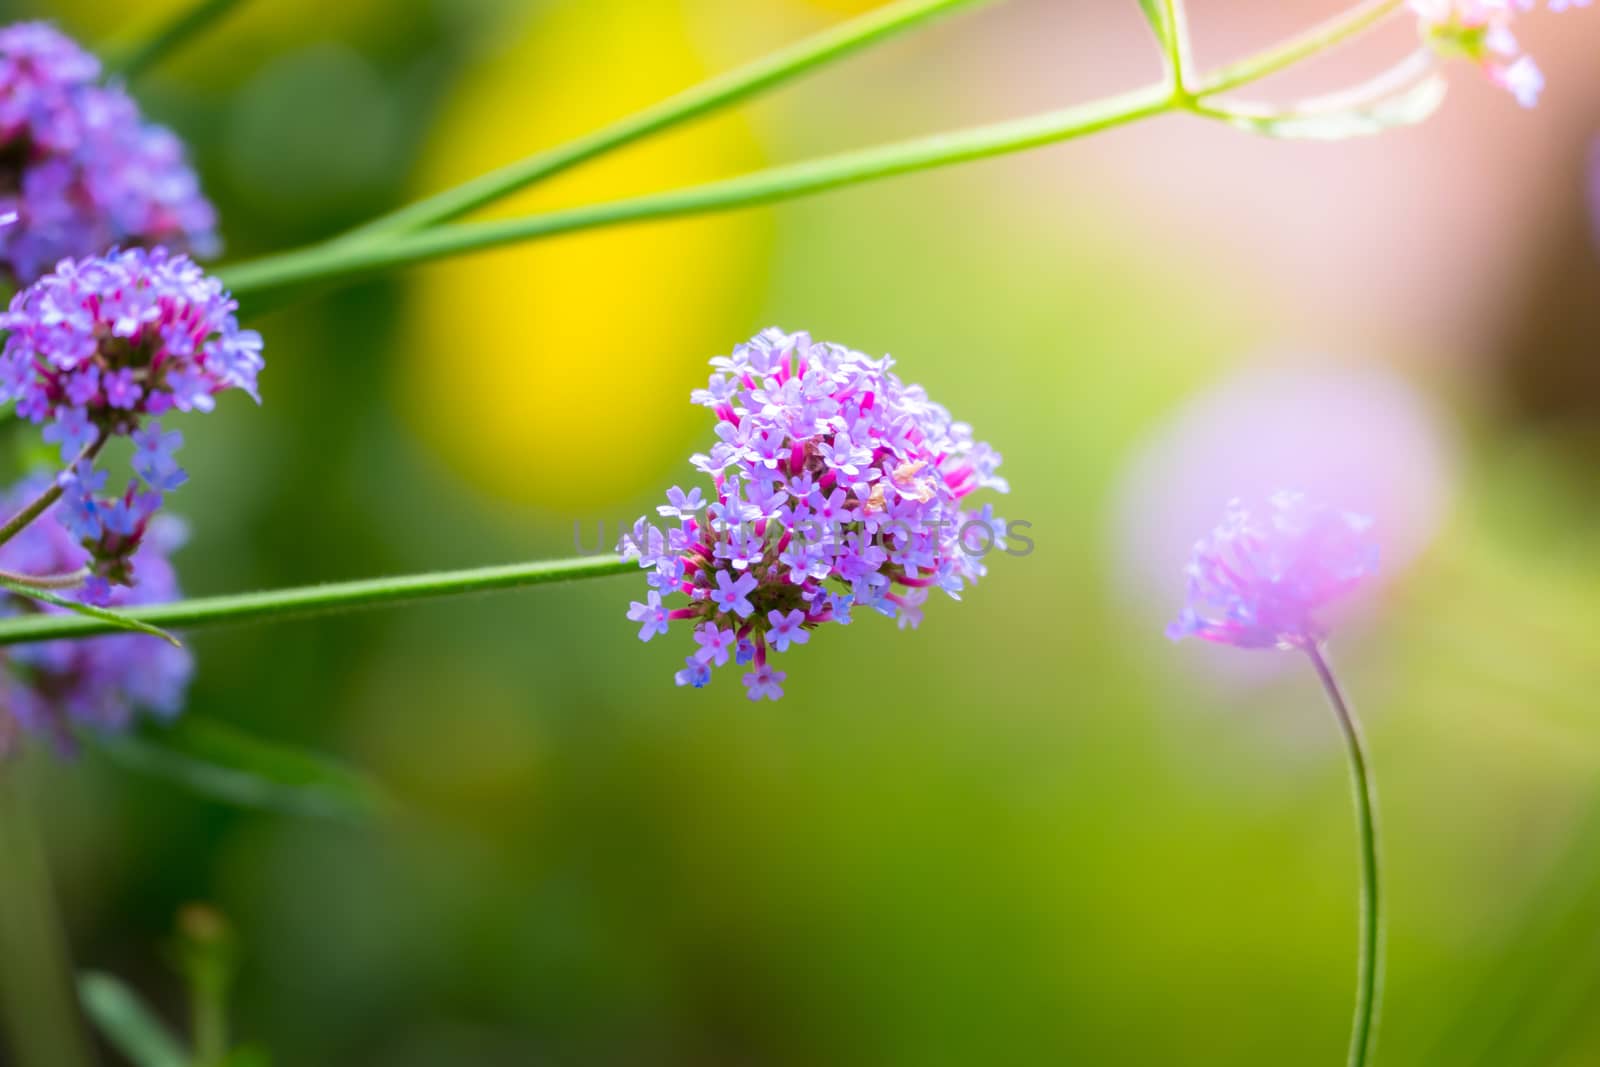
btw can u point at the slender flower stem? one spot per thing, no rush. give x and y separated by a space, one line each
1179 60
41 503
47 581
1369 969
170 37
38 1001
317 599
336 260
1316 40
709 96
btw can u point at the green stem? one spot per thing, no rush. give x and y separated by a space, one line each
1369 967
41 503
335 260
170 37
317 599
38 998
701 100
1318 39
1179 60
346 257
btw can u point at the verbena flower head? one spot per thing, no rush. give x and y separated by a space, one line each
1480 30
100 683
103 347
1263 578
80 169
835 487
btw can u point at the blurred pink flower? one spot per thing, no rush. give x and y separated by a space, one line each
1263 578
1360 436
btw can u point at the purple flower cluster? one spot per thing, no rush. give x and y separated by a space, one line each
100 682
80 169
99 348
1262 579
835 487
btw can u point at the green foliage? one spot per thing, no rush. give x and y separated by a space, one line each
128 1024
227 764
115 618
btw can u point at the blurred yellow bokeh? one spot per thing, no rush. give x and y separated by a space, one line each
543 373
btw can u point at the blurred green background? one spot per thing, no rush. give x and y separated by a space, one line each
1030 832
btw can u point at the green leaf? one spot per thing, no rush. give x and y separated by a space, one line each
227 764
1157 19
116 619
130 1027
248 1056
1367 110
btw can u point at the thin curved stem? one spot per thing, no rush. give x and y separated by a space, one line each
339 260
719 92
41 503
316 599
1369 967
46 581
1318 39
38 1002
170 37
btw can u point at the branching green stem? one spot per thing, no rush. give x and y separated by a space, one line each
1179 60
1369 966
316 599
345 258
709 96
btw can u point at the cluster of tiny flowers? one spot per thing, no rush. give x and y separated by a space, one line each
101 348
835 487
1261 579
80 169
50 687
1480 30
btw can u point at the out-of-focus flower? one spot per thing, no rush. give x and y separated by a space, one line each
1283 418
80 169
1480 30
835 485
98 348
101 682
1262 579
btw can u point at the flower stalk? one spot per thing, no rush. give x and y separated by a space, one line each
329 262
48 496
709 96
1369 966
314 600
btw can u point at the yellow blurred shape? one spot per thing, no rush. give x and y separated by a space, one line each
553 373
844 7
